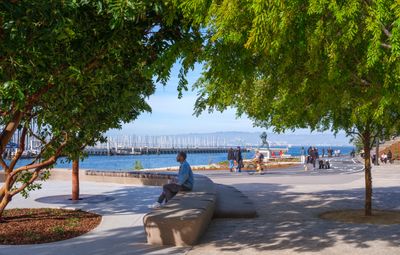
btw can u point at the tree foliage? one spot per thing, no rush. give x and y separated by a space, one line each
319 64
78 68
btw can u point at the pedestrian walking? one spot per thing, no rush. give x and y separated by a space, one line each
313 157
309 150
239 159
231 159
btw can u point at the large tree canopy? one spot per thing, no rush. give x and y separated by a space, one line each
79 68
326 65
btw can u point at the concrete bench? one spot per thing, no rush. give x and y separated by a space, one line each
185 217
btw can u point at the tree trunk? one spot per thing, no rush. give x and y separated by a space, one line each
377 152
75 179
5 196
368 176
3 204
2 191
9 131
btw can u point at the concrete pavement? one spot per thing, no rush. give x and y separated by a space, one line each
287 202
288 207
121 231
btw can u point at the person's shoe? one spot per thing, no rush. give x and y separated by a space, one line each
156 205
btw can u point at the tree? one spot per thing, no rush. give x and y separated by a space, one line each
138 165
75 180
71 70
324 65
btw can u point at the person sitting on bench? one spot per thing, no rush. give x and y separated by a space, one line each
184 182
327 165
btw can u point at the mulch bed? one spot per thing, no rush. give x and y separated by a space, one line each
379 217
44 225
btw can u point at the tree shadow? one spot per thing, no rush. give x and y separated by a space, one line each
120 232
123 200
288 221
121 241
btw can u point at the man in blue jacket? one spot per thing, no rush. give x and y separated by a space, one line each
184 182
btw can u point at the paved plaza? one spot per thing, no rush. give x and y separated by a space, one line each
288 206
288 203
121 231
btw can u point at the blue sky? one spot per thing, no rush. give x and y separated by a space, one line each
171 115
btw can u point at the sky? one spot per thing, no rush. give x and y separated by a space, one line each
172 116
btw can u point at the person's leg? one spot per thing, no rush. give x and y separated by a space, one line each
163 195
171 190
161 198
231 165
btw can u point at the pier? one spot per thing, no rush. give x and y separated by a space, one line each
154 150
139 145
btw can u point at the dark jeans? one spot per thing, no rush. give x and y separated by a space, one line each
239 165
313 161
170 190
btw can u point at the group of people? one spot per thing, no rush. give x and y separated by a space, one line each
384 158
235 156
312 156
281 154
309 157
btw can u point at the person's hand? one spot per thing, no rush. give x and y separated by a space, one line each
172 180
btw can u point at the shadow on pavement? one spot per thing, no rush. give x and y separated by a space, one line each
120 233
289 221
124 241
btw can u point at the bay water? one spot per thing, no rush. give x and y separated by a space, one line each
127 162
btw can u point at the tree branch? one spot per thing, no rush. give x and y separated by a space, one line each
47 145
21 149
35 97
386 31
359 79
37 137
9 130
31 180
353 132
41 165
385 45
3 164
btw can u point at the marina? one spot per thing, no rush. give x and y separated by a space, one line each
149 161
155 150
